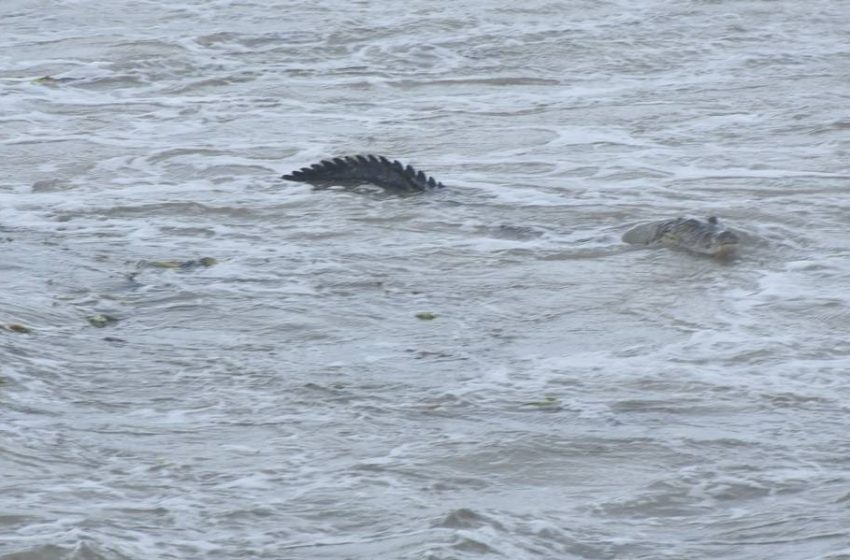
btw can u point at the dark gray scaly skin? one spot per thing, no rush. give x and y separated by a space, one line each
706 237
352 171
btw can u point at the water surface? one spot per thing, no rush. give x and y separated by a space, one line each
573 397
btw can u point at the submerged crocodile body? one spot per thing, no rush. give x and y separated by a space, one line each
706 237
699 236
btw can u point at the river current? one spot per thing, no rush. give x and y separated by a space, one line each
199 359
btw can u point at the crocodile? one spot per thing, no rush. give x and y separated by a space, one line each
706 237
699 236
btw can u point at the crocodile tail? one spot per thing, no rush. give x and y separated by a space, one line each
351 171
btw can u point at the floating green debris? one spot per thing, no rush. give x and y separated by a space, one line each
51 81
207 261
46 81
100 320
546 402
15 327
426 316
163 264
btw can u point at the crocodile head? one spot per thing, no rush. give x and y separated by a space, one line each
707 237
